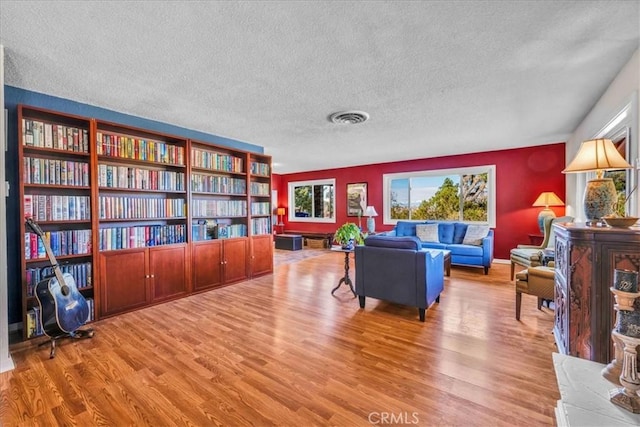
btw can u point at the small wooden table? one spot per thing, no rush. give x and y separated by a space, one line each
446 256
346 279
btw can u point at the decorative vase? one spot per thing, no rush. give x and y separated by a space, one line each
349 246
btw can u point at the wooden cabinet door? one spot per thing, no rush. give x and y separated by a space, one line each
261 255
207 264
235 259
123 281
168 271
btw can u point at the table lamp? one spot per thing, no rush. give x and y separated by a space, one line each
280 212
546 199
600 196
370 212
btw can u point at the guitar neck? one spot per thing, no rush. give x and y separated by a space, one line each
53 261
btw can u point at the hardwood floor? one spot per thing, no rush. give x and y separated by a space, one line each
280 350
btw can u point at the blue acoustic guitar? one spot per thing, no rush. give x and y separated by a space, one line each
63 309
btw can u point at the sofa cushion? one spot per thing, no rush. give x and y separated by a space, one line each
445 232
475 234
405 242
427 232
405 228
459 230
434 245
466 250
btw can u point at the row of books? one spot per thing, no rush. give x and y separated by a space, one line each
65 242
128 147
260 226
231 230
55 172
260 208
36 133
203 208
260 189
114 238
258 168
81 273
216 161
112 207
218 184
34 324
43 207
112 176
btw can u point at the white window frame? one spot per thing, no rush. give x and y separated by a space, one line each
292 203
490 170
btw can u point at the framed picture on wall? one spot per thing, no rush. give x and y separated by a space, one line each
356 198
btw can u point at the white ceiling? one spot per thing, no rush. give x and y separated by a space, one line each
437 77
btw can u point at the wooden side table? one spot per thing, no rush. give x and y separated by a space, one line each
346 279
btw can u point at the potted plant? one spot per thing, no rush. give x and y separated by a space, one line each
348 235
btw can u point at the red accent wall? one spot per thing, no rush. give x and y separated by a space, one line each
521 175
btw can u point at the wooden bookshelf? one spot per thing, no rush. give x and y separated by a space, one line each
55 190
159 216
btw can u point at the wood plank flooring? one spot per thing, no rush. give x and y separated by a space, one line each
280 350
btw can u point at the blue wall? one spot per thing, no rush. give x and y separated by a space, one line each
13 97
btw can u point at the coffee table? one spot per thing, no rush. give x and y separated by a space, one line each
446 255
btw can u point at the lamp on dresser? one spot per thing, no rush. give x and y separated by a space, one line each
546 199
370 212
600 195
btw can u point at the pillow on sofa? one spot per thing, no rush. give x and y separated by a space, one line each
427 232
405 228
475 234
445 232
459 230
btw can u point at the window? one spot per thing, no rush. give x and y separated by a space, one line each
464 194
312 201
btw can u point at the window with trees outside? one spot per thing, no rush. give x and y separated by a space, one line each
312 201
462 194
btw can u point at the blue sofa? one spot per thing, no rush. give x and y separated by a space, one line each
450 237
398 270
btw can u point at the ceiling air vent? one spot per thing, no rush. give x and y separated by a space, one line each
349 117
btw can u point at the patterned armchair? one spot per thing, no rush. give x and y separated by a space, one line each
531 255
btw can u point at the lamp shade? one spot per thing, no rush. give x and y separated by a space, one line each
280 211
600 195
548 198
597 155
370 211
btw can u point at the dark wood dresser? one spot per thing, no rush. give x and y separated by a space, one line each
585 258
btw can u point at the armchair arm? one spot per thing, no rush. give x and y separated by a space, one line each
530 247
487 250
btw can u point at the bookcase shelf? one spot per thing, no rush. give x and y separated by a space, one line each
55 190
163 216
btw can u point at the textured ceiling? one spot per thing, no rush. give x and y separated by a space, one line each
438 78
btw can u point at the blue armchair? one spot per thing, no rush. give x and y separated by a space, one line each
398 270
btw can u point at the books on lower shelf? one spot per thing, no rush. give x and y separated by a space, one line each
65 242
114 238
81 273
213 207
260 226
34 325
